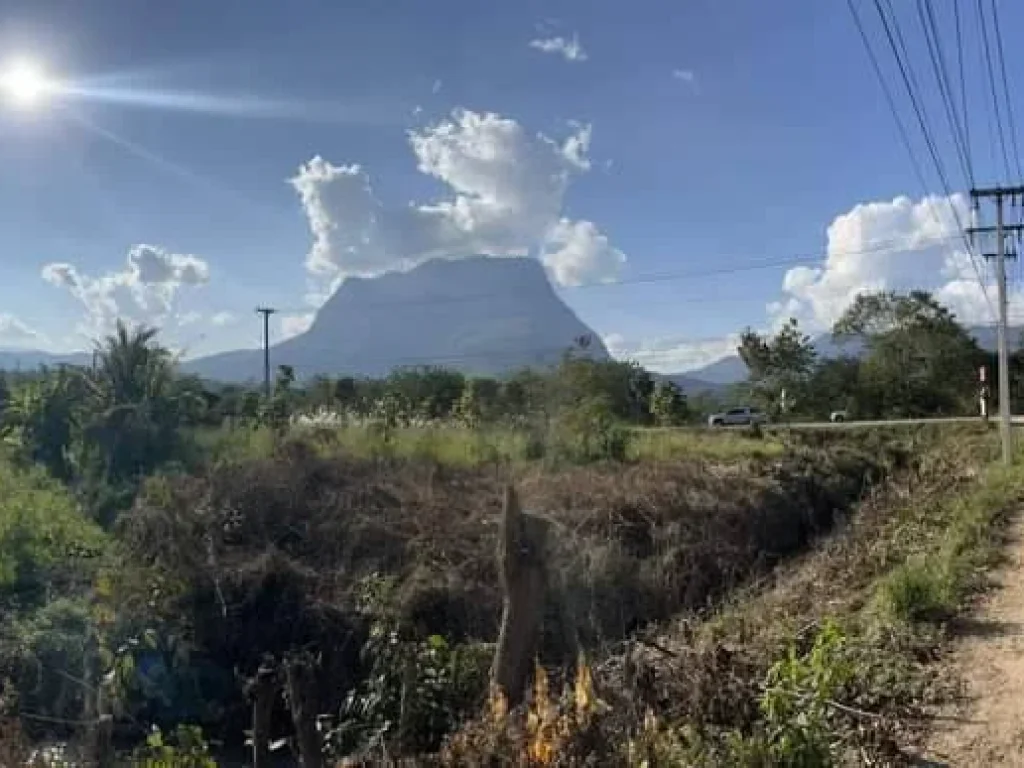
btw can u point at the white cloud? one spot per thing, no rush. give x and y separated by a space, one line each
436 87
576 252
686 75
15 333
900 244
293 325
507 194
570 48
672 354
220 319
144 291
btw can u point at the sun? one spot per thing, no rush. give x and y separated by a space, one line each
25 84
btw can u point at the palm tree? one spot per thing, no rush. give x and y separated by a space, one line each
135 403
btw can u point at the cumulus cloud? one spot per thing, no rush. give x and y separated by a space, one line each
507 190
899 244
145 290
576 251
570 48
293 325
16 333
671 354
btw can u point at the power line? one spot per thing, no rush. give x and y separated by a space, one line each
963 85
992 85
910 83
938 60
1006 88
905 138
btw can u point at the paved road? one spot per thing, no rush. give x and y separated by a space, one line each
1017 421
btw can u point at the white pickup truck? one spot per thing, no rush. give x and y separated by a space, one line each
744 416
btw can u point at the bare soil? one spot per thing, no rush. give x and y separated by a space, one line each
987 727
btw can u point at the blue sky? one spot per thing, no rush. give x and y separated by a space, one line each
715 135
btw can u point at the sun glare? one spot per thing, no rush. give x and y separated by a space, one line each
25 84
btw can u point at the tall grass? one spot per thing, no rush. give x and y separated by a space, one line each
460 446
963 538
667 444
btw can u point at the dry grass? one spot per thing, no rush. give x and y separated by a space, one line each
267 555
732 445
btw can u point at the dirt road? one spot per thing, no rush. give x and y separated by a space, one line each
988 730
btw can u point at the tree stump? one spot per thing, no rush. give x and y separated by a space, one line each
300 684
521 564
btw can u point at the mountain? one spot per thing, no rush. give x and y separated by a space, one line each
731 370
30 359
479 315
694 386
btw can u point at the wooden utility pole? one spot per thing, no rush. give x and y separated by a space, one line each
999 195
266 312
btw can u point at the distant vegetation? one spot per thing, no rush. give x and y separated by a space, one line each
182 563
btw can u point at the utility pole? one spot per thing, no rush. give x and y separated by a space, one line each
999 194
266 312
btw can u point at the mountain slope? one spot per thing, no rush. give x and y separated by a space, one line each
479 315
30 359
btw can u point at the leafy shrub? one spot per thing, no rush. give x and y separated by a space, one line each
415 693
46 545
588 431
798 698
185 747
50 650
917 590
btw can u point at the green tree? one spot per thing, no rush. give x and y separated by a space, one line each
836 385
345 392
430 391
278 410
668 405
137 405
43 418
919 360
783 362
624 386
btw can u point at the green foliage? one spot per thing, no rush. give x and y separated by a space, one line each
589 431
798 698
782 363
185 747
48 648
726 446
46 544
42 418
136 408
931 585
835 385
430 392
668 405
278 410
624 387
416 692
920 361
917 590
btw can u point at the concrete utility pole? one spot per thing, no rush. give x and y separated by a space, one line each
266 312
999 194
